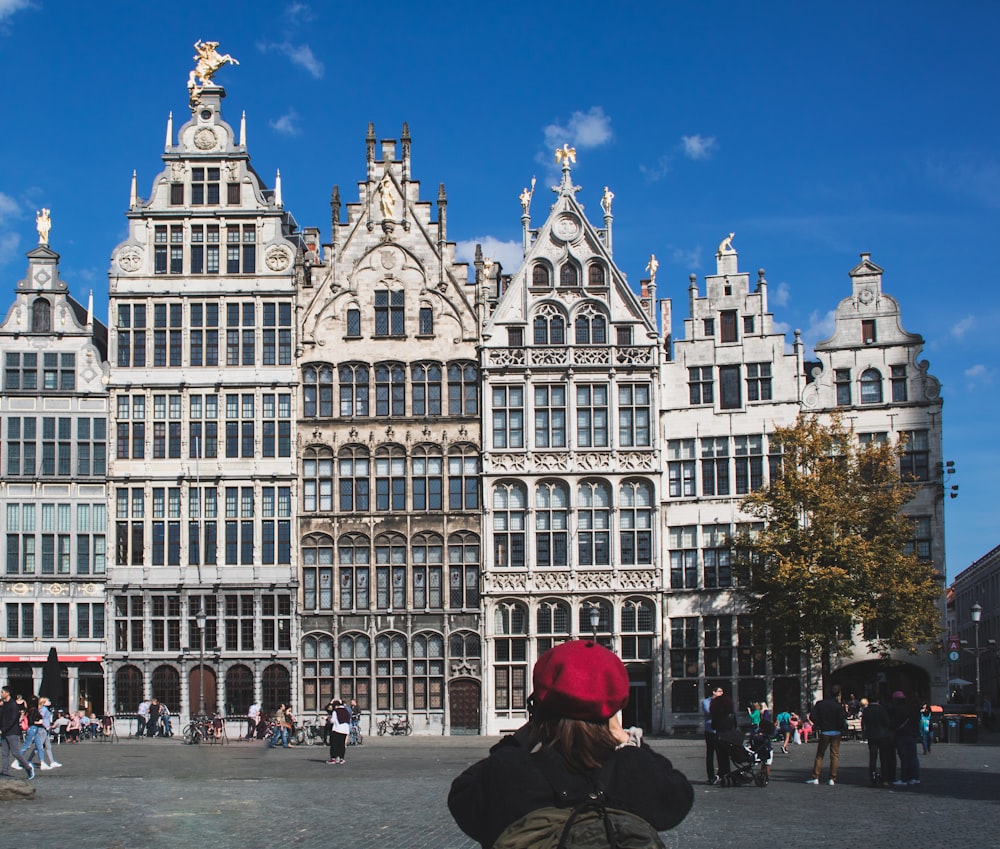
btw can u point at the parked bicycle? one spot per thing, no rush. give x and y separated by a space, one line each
396 726
309 734
356 738
197 730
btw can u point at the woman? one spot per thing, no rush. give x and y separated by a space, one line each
926 734
340 727
571 746
904 717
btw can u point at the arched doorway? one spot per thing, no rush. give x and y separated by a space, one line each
167 687
277 686
199 677
128 689
91 677
239 690
881 678
463 706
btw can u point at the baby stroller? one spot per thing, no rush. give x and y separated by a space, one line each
747 761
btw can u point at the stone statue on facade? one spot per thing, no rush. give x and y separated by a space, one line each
43 224
526 196
606 199
726 245
208 62
651 267
387 202
566 154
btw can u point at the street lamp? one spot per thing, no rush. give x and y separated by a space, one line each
977 614
595 619
201 618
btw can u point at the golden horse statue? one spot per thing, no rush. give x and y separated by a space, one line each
209 61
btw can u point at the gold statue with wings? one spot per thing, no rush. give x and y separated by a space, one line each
566 154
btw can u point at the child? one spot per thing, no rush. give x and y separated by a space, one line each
760 743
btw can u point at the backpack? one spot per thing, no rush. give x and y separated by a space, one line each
589 825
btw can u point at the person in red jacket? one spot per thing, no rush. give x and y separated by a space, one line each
571 741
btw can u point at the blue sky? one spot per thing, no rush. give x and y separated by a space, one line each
813 131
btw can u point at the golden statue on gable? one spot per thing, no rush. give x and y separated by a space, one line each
209 61
566 154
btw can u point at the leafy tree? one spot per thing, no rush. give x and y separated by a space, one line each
832 553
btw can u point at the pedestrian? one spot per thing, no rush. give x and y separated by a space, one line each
761 742
572 748
165 728
723 714
340 727
48 761
10 734
253 716
32 744
926 732
330 708
153 718
280 733
830 721
904 716
141 717
784 720
876 730
710 739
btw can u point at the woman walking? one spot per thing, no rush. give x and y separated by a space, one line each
340 727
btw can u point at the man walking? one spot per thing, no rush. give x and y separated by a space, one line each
706 704
830 722
10 734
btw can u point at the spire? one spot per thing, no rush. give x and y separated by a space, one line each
90 311
243 129
170 132
277 189
133 195
566 155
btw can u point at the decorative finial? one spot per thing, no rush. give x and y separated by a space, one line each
726 245
243 129
566 155
170 132
277 189
651 267
208 61
526 196
133 194
43 224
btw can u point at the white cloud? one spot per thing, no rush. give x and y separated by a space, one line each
298 54
8 206
978 375
698 147
583 130
687 257
9 7
962 327
9 240
8 247
821 326
287 124
299 13
779 295
656 172
508 254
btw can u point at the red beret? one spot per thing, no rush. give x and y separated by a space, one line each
580 680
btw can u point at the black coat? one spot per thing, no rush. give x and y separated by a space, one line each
10 718
495 792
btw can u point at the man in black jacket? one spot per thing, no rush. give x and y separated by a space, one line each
830 722
10 734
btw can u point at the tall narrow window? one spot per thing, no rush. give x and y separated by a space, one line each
898 379
842 380
871 386
509 504
727 326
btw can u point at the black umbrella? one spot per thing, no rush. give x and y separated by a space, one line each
51 686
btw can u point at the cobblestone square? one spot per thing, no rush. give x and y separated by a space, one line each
391 793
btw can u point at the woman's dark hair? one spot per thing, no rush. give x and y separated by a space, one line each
583 745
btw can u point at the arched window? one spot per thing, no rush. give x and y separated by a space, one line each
463 570
317 480
391 672
427 479
390 390
317 672
549 326
277 686
355 669
426 389
128 689
637 629
427 551
552 620
353 475
390 572
551 524
41 316
353 563
635 514
167 687
591 327
594 523
317 391
596 275
509 503
353 390
871 386
239 690
428 671
464 645
317 572
510 646
605 623
463 389
540 276
390 478
569 275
